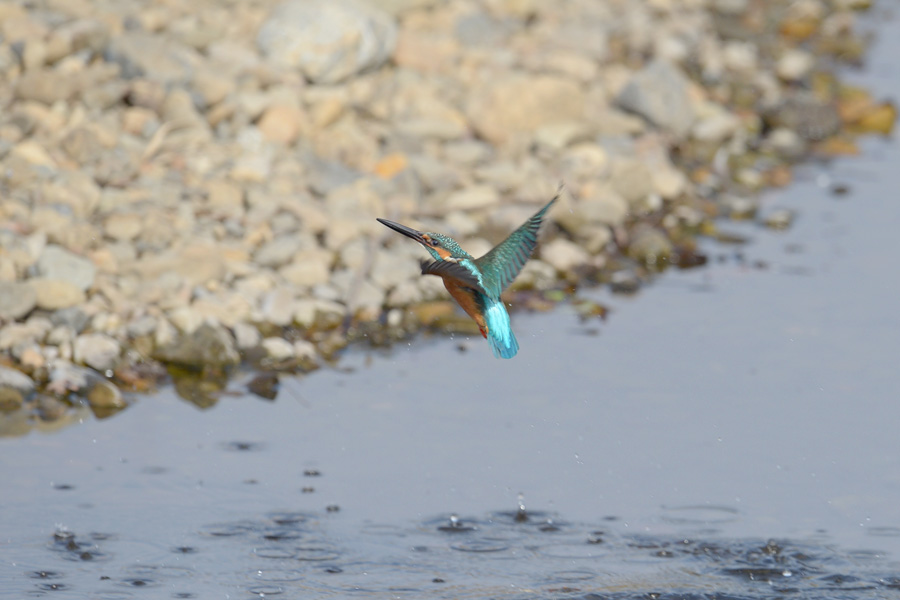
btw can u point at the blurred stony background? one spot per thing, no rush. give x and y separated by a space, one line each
191 185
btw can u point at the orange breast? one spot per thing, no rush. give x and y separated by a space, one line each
467 299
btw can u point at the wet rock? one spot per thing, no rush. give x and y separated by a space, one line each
660 93
780 219
327 40
625 281
650 246
805 114
105 396
57 263
16 300
97 350
10 399
207 346
738 207
66 377
12 381
52 294
50 409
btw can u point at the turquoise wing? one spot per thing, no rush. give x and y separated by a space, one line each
453 270
502 264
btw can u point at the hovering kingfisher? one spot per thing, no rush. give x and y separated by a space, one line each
476 283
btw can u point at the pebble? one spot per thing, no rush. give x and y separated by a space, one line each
277 307
307 269
632 180
103 395
563 255
278 349
795 64
207 346
15 380
781 218
650 246
16 300
57 263
503 107
659 93
97 350
278 252
473 198
51 294
246 336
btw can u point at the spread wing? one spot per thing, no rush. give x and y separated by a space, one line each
452 270
502 264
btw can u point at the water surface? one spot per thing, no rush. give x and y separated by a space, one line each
730 432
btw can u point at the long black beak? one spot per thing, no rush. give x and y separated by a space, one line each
407 231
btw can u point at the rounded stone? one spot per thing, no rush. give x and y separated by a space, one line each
327 40
52 294
16 300
104 395
60 264
97 350
278 348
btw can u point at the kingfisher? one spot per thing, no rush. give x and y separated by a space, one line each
476 283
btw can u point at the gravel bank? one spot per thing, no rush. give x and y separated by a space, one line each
188 186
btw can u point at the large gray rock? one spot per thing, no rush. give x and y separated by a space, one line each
659 93
58 263
327 40
16 300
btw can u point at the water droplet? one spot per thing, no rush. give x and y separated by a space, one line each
521 514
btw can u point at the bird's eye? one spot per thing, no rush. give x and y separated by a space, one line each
434 242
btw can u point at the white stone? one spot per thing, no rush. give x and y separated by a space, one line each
97 350
563 255
278 348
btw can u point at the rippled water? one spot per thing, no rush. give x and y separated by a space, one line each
730 432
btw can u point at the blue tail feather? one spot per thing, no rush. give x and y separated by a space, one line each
500 336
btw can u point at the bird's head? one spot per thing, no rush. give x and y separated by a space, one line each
440 246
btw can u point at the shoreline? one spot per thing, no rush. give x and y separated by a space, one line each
184 192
